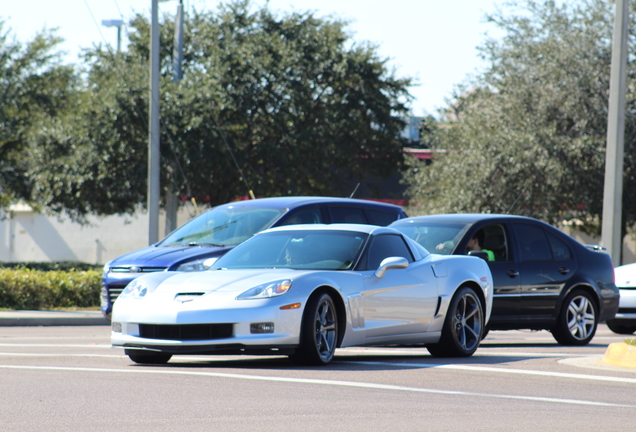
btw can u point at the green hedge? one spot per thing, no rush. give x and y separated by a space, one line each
51 266
24 288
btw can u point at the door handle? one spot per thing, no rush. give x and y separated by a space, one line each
513 273
564 270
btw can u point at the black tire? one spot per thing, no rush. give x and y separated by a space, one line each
148 357
577 320
318 333
463 327
624 329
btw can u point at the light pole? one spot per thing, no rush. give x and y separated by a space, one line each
115 23
613 190
153 129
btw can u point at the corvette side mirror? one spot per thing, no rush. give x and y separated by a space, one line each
391 263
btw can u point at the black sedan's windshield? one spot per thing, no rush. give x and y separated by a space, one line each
315 249
440 238
223 226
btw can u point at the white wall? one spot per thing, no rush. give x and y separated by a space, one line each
29 236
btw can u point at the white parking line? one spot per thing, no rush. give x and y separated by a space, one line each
501 370
322 382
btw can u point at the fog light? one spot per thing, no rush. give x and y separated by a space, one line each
116 327
267 327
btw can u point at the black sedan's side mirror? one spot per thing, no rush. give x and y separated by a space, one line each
479 254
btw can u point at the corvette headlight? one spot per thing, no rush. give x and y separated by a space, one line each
135 289
270 289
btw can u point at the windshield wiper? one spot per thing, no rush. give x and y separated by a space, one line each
193 243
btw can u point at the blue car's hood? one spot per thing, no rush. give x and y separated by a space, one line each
167 256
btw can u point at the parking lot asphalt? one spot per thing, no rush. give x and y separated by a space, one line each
30 318
621 355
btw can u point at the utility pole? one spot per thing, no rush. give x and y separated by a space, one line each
172 203
613 190
153 129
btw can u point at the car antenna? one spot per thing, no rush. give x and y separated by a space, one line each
354 190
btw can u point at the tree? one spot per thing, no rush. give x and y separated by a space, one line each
280 105
36 88
528 135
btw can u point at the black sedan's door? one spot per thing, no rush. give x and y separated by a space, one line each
505 273
546 265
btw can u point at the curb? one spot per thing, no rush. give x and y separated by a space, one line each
620 354
51 318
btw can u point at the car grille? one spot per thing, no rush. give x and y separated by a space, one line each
186 331
136 269
112 293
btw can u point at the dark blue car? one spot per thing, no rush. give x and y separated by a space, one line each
195 245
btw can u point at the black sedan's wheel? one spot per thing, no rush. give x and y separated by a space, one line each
148 357
463 326
577 321
625 329
319 332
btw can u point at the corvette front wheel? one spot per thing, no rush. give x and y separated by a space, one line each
319 332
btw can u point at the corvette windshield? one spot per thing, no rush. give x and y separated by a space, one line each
315 249
223 226
439 238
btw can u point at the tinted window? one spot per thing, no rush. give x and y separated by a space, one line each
385 246
533 242
439 238
343 214
495 240
379 217
310 215
560 250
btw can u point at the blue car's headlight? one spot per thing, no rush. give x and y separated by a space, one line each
135 289
270 289
197 265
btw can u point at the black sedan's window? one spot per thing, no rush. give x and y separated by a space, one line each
385 246
533 242
559 249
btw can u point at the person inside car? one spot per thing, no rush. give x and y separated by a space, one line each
476 244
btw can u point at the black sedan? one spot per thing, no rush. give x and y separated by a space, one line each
543 278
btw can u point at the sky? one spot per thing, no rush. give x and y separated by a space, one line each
433 41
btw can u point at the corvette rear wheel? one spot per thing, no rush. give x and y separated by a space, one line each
319 332
148 357
577 321
463 326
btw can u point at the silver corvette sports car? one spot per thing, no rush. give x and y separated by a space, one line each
305 290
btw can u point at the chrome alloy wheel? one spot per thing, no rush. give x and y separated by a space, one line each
467 321
326 329
581 318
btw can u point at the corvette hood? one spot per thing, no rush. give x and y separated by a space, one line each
223 281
